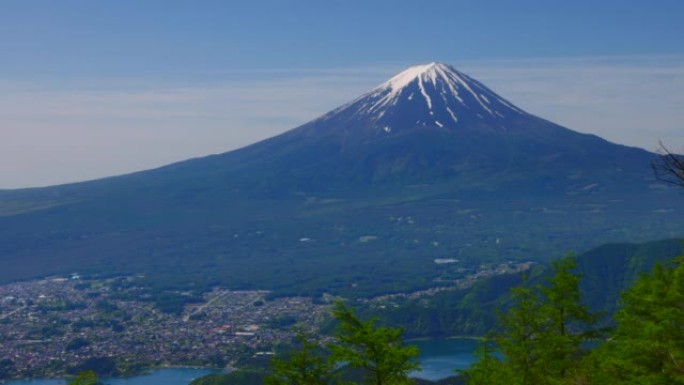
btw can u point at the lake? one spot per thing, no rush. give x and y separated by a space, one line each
168 376
438 359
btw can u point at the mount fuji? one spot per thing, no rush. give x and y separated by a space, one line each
433 124
430 165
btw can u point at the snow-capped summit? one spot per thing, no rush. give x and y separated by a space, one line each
442 80
430 95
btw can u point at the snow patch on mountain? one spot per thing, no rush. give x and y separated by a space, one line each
431 95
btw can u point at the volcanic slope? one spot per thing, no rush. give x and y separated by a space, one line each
429 165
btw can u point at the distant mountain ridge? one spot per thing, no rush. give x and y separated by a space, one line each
430 164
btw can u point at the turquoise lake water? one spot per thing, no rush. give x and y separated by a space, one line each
169 376
438 359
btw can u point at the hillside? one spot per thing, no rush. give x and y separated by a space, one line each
606 272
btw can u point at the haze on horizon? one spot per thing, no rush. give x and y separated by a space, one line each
91 89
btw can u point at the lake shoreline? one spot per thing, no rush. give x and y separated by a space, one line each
439 358
138 373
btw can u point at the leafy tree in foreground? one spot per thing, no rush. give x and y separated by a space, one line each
541 335
85 378
488 369
519 338
648 345
566 320
308 365
378 351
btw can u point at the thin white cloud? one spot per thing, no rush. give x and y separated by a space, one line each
632 100
56 133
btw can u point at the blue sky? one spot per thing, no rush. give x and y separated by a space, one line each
96 88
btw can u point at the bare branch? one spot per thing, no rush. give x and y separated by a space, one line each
669 167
